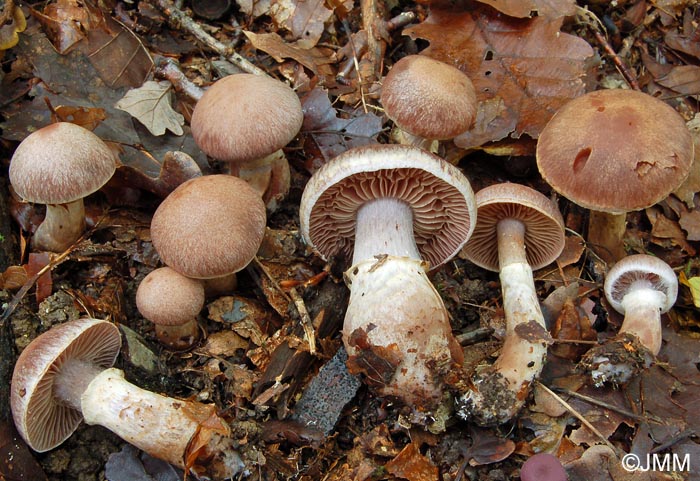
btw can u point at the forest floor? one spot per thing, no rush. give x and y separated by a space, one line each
74 61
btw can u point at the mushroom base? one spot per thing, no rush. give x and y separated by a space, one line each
606 234
186 434
617 361
62 226
499 391
178 337
397 332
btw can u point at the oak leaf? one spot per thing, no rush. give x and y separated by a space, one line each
526 8
523 70
150 104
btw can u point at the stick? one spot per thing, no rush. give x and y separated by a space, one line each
169 69
178 18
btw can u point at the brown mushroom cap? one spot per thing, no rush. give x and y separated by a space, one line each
438 193
615 150
60 163
245 117
209 226
544 226
621 279
42 422
429 98
167 298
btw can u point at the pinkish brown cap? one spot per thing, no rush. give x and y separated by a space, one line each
429 98
209 226
245 117
615 151
544 226
167 298
621 279
439 195
60 163
40 419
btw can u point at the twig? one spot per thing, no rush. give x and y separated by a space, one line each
169 69
626 73
580 417
603 404
306 321
178 18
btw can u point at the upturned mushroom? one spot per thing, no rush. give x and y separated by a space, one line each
395 211
59 165
428 100
518 229
171 302
614 151
641 287
246 120
65 376
209 228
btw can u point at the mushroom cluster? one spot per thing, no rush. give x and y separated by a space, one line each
392 212
65 376
518 229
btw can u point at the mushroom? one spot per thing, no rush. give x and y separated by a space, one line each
428 100
58 165
65 376
518 230
614 151
245 120
209 228
641 287
543 467
397 211
171 302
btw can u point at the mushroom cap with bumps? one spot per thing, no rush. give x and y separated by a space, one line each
544 226
43 422
439 195
245 117
429 98
209 226
615 150
60 163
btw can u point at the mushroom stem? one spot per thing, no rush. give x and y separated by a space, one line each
178 336
605 235
500 389
183 433
396 331
384 226
72 381
62 226
270 176
643 316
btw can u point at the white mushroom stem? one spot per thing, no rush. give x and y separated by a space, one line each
501 389
62 226
396 329
642 307
176 431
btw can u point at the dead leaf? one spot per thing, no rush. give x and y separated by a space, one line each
410 464
86 117
150 105
663 228
9 33
274 45
254 8
305 19
523 70
571 326
328 134
64 22
542 8
690 222
684 79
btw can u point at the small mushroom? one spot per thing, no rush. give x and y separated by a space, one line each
59 165
543 467
245 120
641 287
396 211
614 151
171 302
65 376
428 100
518 229
209 228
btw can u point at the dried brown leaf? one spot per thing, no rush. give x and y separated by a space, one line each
274 45
690 222
305 19
410 464
9 32
523 70
526 8
665 229
150 105
684 79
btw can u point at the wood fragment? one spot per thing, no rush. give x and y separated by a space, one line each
306 321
